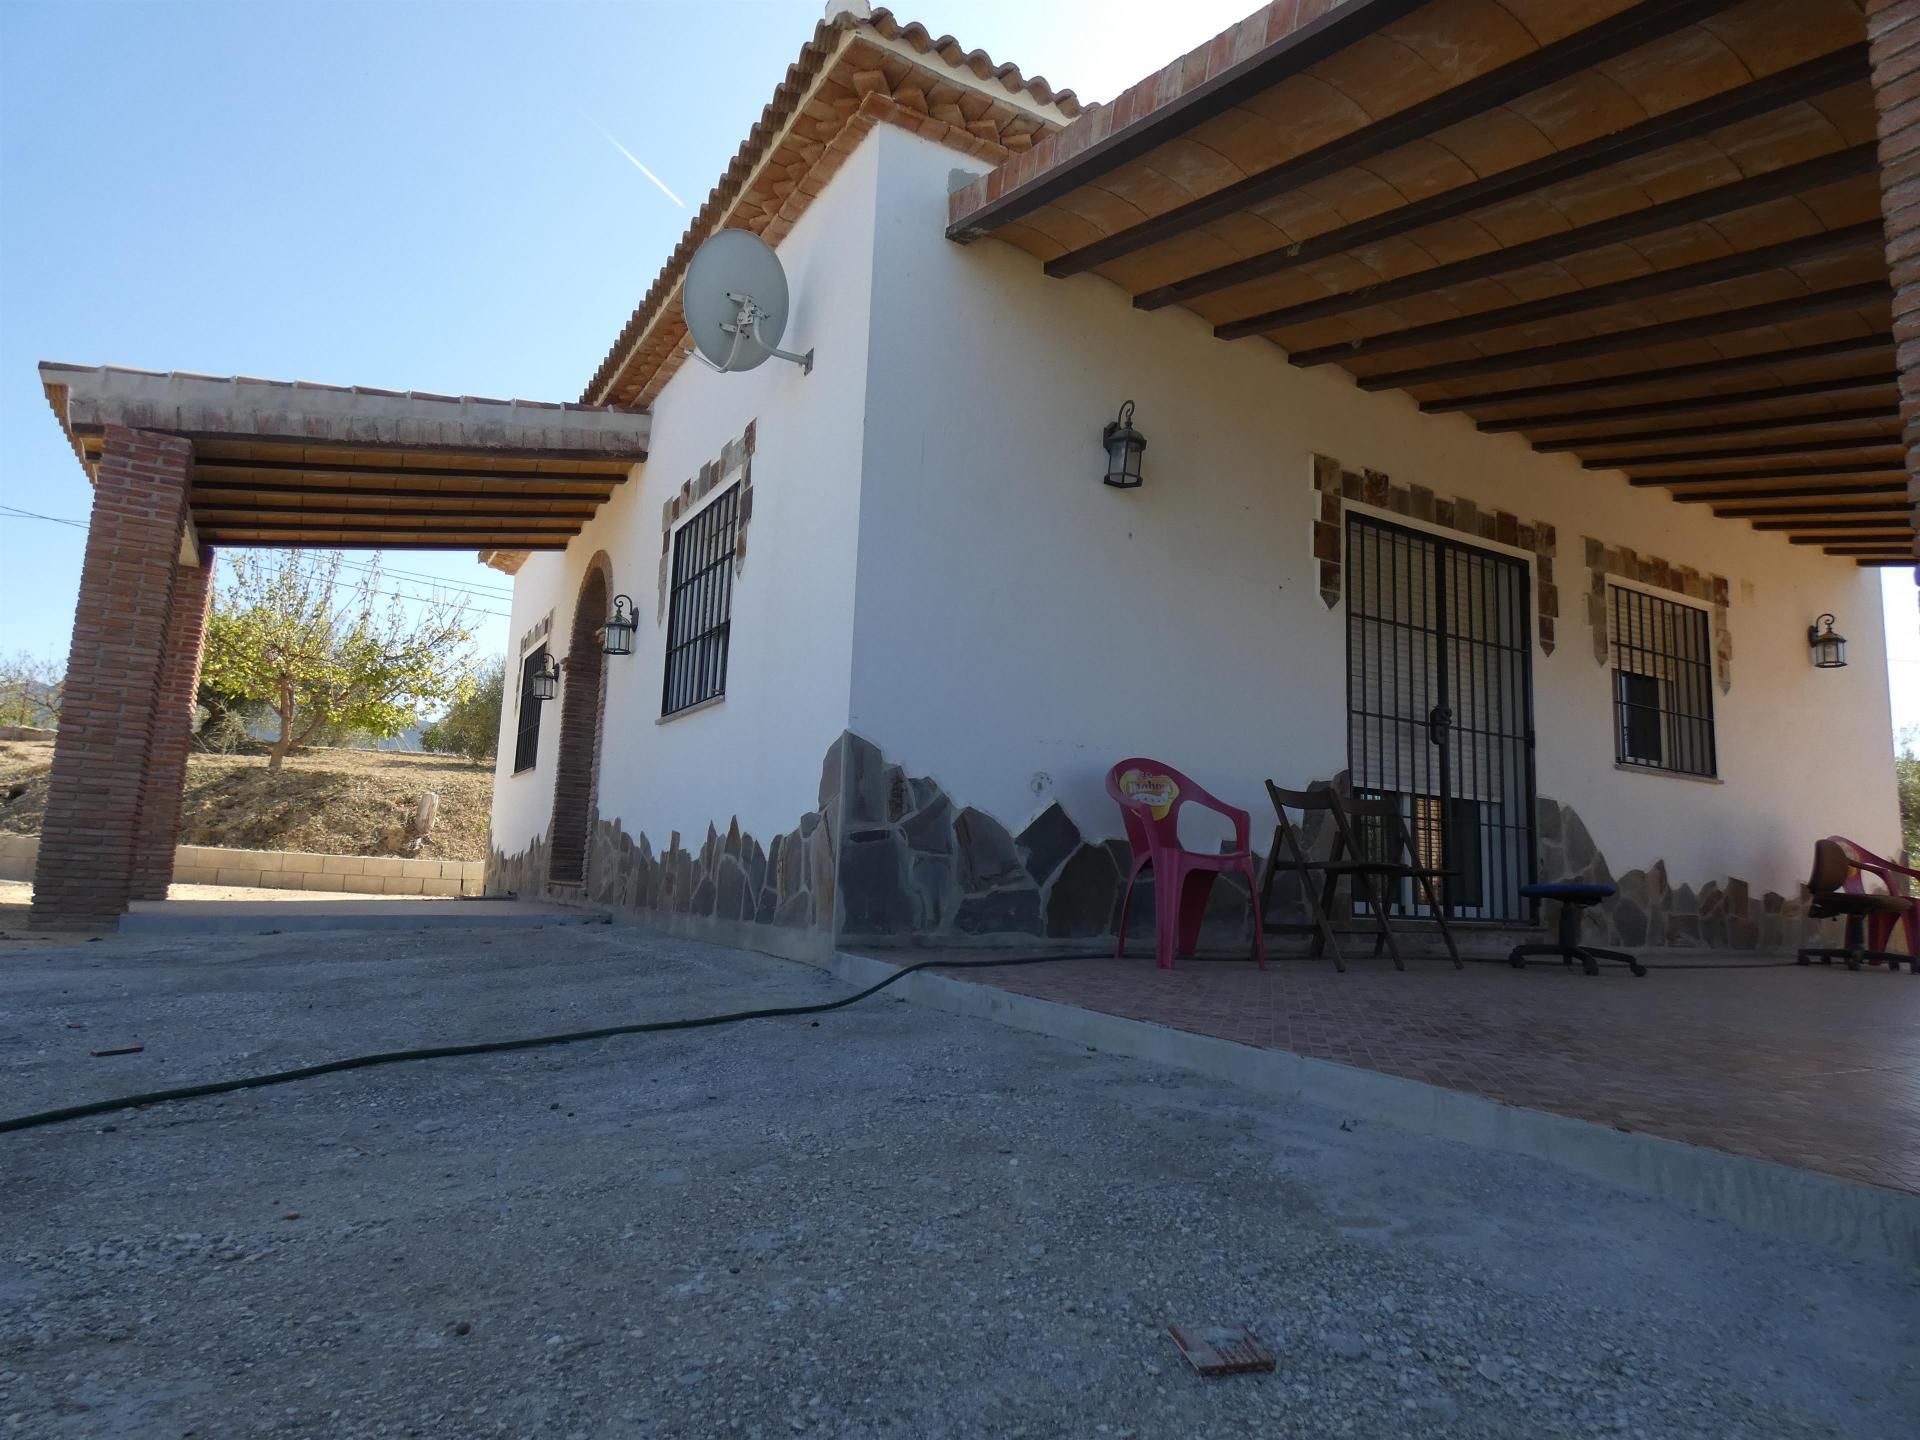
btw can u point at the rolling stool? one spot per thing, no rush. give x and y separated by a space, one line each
1833 868
1573 899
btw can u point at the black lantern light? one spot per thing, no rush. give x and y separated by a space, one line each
1124 445
544 683
1829 649
618 632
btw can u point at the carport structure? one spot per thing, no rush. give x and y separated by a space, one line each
1675 238
181 464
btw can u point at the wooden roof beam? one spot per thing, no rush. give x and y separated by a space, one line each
1890 468
1831 507
222 464
1579 300
1632 225
1758 97
1864 543
537 496
1806 390
1615 36
249 540
1726 427
1792 492
1285 57
1842 444
330 519
1697 327
1844 522
1700 369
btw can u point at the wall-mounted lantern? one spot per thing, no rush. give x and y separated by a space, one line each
1829 650
618 631
544 683
1124 445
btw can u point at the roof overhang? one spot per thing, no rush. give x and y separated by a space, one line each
279 463
1644 232
856 71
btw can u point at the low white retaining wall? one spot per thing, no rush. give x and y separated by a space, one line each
288 870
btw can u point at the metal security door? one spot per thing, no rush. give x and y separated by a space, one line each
1440 707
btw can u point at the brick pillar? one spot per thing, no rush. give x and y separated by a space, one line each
172 729
85 873
1893 30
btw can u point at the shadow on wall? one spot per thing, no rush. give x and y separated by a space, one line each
891 857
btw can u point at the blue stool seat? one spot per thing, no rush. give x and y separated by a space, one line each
1570 892
1573 897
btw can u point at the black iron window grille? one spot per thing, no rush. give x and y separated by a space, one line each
526 739
1662 683
700 612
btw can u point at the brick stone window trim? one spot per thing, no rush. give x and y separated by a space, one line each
122 716
1336 485
736 456
1617 562
583 696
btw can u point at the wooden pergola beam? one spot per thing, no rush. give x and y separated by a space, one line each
1764 512
332 519
1888 468
1841 444
1806 389
1723 427
1698 370
1578 301
1840 523
535 496
249 540
1289 55
1629 30
1758 97
225 464
1687 210
1865 538
1696 327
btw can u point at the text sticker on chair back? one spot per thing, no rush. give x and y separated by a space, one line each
1156 792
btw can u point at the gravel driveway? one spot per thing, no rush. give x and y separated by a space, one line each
886 1223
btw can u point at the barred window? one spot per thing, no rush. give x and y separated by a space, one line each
526 742
700 616
1662 683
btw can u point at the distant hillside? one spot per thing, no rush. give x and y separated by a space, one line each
335 802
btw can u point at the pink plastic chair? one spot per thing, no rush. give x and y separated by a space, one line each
1880 926
1150 795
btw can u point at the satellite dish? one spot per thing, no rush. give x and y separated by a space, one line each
735 303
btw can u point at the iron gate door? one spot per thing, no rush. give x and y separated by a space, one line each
1440 707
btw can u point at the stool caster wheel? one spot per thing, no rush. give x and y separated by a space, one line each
1638 969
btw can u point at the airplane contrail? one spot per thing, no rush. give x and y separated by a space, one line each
639 166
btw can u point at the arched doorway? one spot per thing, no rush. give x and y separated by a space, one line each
582 698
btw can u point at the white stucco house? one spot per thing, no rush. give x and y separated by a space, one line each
893 628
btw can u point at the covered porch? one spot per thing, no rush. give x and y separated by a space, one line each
184 464
1669 238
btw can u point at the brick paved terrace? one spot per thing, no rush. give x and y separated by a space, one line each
1818 1067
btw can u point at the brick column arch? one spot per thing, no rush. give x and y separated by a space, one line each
85 874
1893 30
582 701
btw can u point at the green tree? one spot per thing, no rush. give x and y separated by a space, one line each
471 727
1906 772
324 655
30 690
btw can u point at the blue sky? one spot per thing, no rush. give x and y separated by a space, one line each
408 196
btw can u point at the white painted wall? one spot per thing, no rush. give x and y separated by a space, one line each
1020 626
757 753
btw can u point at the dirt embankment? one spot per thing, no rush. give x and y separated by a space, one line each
335 802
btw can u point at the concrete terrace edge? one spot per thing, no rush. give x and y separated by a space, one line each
1863 1221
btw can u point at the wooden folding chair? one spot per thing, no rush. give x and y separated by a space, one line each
1288 855
1374 833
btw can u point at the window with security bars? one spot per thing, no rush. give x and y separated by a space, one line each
700 609
526 740
1662 683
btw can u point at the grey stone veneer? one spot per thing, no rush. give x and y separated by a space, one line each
889 856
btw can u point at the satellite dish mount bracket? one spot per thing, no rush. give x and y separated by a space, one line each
747 322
